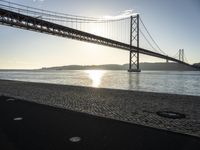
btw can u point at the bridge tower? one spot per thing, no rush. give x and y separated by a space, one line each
134 37
181 55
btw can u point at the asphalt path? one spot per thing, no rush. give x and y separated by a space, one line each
29 126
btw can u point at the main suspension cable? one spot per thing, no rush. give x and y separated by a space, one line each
151 36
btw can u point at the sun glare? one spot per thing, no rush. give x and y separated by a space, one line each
95 76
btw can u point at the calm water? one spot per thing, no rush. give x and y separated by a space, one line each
187 82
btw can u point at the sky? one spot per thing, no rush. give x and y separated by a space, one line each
174 24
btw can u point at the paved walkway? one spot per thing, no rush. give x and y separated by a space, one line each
130 106
30 126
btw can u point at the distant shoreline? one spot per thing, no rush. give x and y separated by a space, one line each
160 66
143 66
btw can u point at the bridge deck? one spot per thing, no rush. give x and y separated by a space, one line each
18 20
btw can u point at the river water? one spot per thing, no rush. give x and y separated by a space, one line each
183 82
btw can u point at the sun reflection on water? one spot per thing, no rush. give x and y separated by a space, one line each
95 76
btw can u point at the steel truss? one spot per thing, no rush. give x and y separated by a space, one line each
134 37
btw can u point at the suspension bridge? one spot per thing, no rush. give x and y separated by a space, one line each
117 32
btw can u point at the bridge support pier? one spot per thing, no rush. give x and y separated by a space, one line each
134 36
134 62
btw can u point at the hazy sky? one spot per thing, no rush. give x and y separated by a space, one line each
174 24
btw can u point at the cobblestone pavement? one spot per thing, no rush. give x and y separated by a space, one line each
130 106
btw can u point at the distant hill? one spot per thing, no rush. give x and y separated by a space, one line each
197 65
143 66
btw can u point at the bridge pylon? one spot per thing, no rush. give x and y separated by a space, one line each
181 55
134 37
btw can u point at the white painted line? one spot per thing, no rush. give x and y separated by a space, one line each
18 119
10 99
75 139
